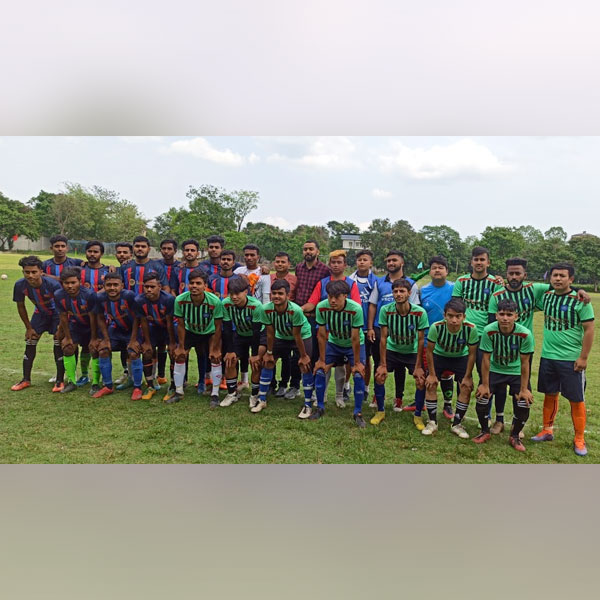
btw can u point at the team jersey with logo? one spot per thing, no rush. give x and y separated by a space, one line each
476 294
155 312
119 314
403 330
220 284
526 298
452 344
365 287
340 323
78 309
433 300
563 329
42 297
169 269
211 269
285 321
53 268
180 278
133 274
243 318
506 348
320 292
93 278
198 318
382 294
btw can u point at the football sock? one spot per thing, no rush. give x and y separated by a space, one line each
461 411
28 358
446 384
231 385
359 392
520 416
482 413
245 377
308 384
85 363
137 372
266 376
340 380
70 363
161 356
431 406
58 359
320 387
500 402
124 358
379 396
106 370
255 389
550 410
578 416
95 371
216 374
149 372
179 376
419 402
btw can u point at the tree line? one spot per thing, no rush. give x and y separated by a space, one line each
98 213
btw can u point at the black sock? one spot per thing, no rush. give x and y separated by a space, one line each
161 357
231 385
482 414
461 411
500 402
58 359
446 386
124 360
431 409
521 414
28 358
255 389
149 373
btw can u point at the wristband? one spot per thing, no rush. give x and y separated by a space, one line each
269 351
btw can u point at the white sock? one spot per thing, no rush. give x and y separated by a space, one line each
216 374
340 379
245 377
179 376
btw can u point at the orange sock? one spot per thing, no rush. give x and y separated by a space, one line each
578 416
550 410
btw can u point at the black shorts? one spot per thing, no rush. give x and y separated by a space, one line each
499 381
80 335
283 348
452 364
159 337
558 376
41 322
372 348
263 337
395 360
198 341
243 346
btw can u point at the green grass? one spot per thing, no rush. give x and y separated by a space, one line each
37 426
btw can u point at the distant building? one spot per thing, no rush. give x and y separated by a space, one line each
582 235
351 241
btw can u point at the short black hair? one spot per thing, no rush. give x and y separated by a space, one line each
281 254
440 260
237 285
152 275
228 253
395 253
563 266
479 250
215 239
169 241
456 304
70 272
313 242
364 252
198 273
141 238
31 261
402 283
124 245
190 242
507 305
337 288
251 247
58 238
281 284
114 275
516 262
95 243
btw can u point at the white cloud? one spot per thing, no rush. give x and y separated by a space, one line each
136 139
253 158
465 157
364 225
325 152
201 148
379 193
278 222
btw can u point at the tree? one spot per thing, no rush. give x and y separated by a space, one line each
556 233
586 251
16 219
337 229
42 207
503 243
71 215
442 239
241 203
269 238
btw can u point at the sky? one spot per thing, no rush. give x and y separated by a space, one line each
468 183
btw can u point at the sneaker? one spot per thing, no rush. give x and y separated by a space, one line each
418 421
339 402
252 401
104 391
156 385
497 427
430 428
281 391
360 422
94 388
398 405
292 393
543 436
20 386
83 380
448 412
410 407
122 379
136 394
52 379
305 412
516 443
173 397
460 431
125 385
482 437
161 380
69 387
579 448
242 385
373 403
378 417
259 406
150 391
317 414
214 401
58 387
229 400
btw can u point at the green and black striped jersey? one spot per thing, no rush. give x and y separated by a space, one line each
198 318
403 330
452 344
526 298
476 294
285 321
243 318
340 323
506 348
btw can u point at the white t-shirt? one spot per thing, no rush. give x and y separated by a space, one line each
262 288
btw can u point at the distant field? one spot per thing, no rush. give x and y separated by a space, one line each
39 427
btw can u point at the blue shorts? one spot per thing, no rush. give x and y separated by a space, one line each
559 377
43 322
334 354
80 335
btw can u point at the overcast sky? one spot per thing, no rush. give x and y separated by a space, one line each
465 182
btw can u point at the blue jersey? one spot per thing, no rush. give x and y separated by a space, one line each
220 285
52 268
169 269
78 309
42 297
155 312
93 278
133 274
382 294
365 287
433 300
211 269
119 314
180 278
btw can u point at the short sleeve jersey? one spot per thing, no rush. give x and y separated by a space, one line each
42 297
211 269
450 344
564 315
260 285
243 318
526 298
198 318
93 278
285 322
53 268
434 299
340 323
180 278
320 291
219 284
365 287
476 294
169 269
382 294
403 330
156 312
506 348
78 309
119 314
133 274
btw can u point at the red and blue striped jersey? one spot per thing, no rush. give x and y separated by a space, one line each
181 278
211 269
78 309
93 278
220 285
53 268
118 314
169 269
133 274
42 297
155 312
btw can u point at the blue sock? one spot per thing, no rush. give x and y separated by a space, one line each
419 402
137 372
308 384
380 396
359 392
320 385
266 375
106 371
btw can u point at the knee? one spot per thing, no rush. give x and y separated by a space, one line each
148 355
358 378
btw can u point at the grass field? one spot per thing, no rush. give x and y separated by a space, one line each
37 426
